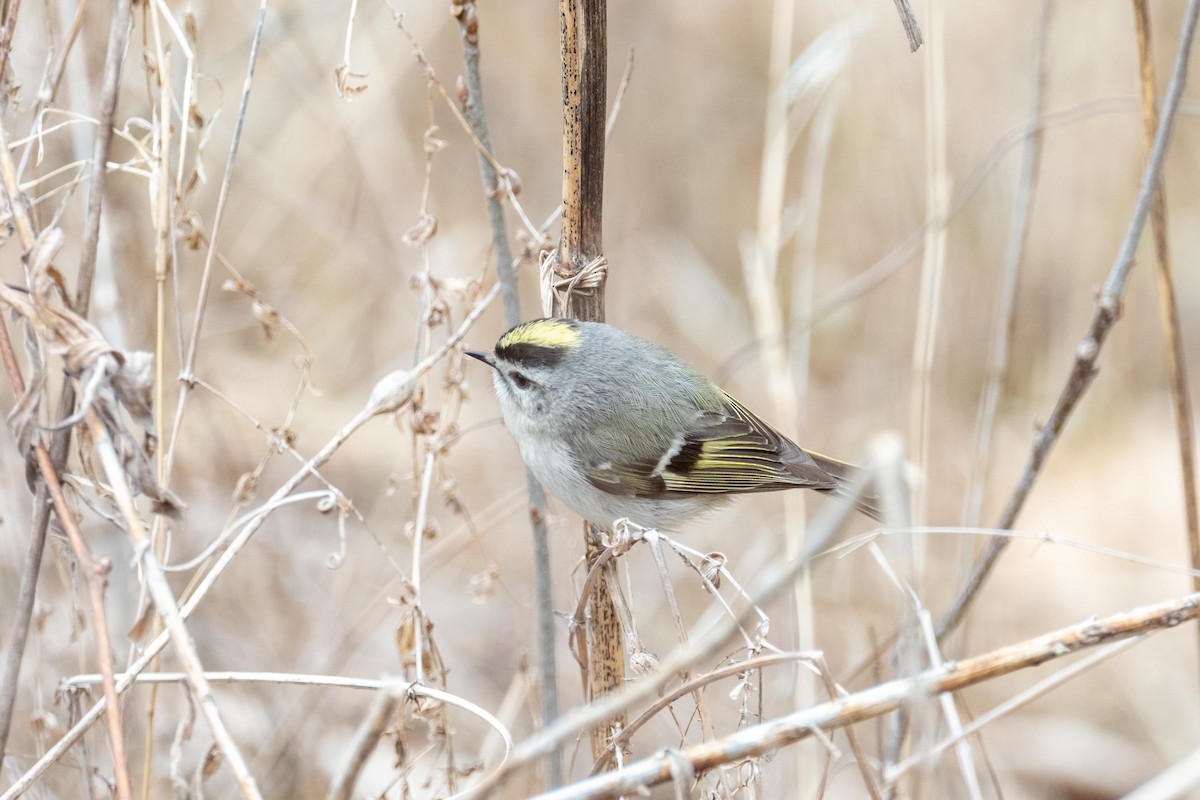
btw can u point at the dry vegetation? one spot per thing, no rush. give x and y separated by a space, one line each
345 238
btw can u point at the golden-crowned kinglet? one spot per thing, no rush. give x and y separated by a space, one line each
615 426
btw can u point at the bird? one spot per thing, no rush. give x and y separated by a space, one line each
620 428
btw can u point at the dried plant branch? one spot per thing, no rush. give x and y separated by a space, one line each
13 12
390 394
581 253
1104 316
162 218
876 274
802 82
1168 308
95 576
1018 239
167 608
937 203
884 698
476 116
118 35
1015 702
756 663
585 70
188 368
776 577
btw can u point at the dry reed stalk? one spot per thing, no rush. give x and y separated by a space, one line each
580 253
1169 310
1104 317
760 266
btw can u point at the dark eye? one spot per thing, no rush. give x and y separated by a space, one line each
520 380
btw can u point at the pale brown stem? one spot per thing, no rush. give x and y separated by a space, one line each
1168 308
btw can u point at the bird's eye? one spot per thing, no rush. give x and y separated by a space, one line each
520 380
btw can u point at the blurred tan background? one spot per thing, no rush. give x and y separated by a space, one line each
322 192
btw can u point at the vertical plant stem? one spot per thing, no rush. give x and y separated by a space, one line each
162 260
95 576
585 64
1018 237
167 608
1104 316
1172 338
761 267
188 368
937 199
476 116
61 441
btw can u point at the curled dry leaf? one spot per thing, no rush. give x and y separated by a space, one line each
643 662
61 330
406 643
482 585
711 567
244 489
422 232
437 313
349 82
134 384
109 379
507 182
190 230
267 317
212 762
141 626
432 143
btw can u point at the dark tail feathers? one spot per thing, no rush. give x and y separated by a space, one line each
846 474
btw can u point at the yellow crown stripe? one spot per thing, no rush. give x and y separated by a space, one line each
557 333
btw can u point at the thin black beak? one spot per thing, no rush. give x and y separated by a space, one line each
484 357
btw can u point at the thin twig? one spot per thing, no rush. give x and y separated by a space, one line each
937 203
386 398
118 35
760 269
379 716
1019 700
884 268
94 576
1018 238
187 369
6 37
1104 316
1167 307
693 686
775 578
476 115
167 608
883 698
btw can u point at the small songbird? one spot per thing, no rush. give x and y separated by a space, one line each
618 427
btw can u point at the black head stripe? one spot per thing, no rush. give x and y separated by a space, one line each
530 355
